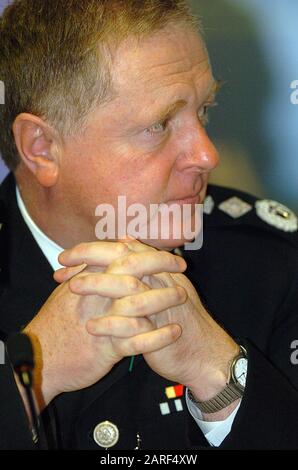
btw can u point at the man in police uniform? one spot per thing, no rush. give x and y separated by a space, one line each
130 352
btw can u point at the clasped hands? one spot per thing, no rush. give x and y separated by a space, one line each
118 299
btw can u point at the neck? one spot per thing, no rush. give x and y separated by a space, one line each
53 214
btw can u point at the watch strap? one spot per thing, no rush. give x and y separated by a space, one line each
232 391
227 396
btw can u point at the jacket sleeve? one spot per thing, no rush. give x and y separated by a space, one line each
14 428
268 415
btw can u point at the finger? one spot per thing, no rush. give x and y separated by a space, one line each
147 263
106 285
118 327
96 253
126 238
149 302
64 274
148 342
138 247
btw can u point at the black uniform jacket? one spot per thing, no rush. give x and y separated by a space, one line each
246 275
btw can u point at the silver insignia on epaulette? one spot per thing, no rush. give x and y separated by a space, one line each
277 215
209 205
235 207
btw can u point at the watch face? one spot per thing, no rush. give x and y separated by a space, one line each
240 371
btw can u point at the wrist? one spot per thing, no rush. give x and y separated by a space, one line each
216 377
210 386
232 391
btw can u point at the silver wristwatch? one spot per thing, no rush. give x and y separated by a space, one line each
233 390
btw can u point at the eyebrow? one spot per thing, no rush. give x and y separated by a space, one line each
170 110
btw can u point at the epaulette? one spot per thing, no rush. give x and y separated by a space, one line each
227 207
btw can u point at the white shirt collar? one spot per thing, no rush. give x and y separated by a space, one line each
49 248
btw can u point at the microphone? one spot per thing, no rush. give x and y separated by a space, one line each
21 355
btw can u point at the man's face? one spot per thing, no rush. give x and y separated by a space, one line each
148 144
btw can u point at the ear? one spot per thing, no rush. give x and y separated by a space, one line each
39 147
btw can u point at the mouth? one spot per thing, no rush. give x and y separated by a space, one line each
196 199
195 196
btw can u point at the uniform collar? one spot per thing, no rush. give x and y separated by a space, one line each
49 248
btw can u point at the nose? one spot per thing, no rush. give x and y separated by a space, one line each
197 151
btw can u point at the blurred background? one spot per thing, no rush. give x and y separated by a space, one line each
253 48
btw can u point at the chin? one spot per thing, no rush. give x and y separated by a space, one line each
167 245
176 236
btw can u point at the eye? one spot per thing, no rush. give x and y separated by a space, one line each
157 128
203 113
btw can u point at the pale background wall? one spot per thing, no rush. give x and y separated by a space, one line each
253 47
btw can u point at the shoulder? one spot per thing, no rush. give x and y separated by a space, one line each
249 258
243 213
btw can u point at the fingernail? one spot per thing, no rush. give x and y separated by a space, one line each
91 327
182 292
183 264
61 257
177 331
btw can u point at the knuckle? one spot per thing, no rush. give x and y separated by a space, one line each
75 284
176 262
133 245
123 348
109 324
130 262
170 259
136 303
168 256
138 345
135 326
132 283
81 249
94 280
121 249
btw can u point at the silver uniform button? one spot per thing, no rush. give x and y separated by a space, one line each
106 434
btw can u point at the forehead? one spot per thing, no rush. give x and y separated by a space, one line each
169 59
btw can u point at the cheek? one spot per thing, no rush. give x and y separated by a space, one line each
144 180
86 184
101 173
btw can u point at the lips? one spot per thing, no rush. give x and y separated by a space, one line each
194 199
196 195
